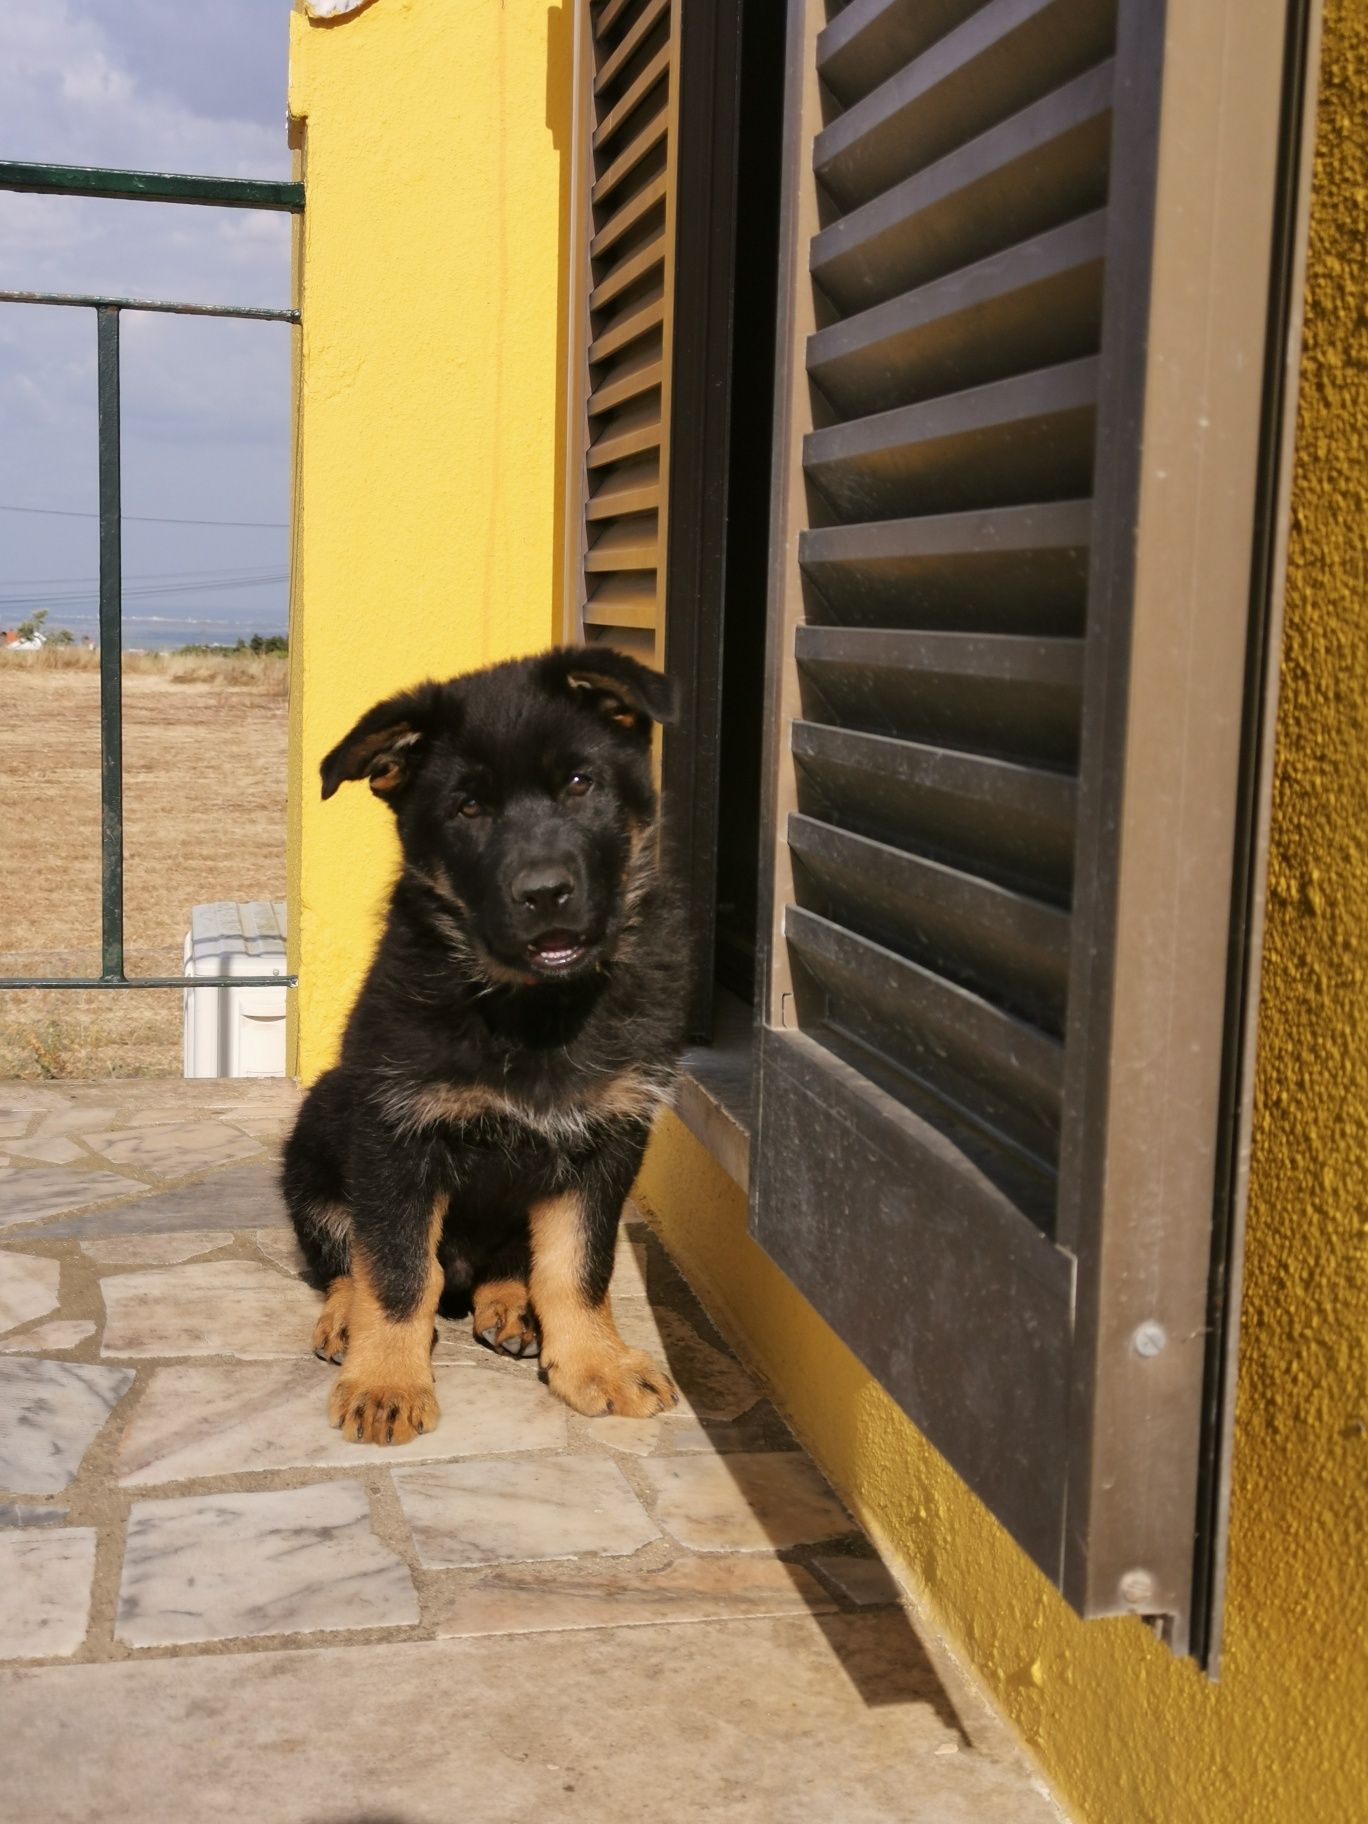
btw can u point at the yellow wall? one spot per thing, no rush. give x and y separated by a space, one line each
427 498
1126 1734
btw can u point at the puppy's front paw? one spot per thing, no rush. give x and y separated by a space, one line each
330 1332
387 1414
502 1319
623 1382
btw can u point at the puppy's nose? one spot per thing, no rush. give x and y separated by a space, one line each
543 889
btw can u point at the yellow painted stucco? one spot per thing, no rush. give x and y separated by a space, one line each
1125 1733
429 273
433 290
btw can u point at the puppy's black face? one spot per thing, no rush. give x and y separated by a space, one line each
524 801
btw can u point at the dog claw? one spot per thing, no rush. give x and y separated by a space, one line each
491 1335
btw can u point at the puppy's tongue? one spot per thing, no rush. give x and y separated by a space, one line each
556 948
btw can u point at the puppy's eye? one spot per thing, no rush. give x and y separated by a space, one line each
578 784
471 807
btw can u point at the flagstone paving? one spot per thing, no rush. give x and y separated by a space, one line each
521 1613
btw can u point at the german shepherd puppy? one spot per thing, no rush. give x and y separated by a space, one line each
520 1025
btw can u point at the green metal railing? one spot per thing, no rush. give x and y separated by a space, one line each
138 186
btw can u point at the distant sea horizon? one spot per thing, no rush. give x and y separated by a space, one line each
162 632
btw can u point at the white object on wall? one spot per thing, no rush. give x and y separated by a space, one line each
235 1032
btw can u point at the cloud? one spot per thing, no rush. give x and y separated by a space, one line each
153 85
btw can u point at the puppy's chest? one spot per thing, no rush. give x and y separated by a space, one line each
562 1107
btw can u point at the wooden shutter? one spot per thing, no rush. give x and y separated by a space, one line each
656 144
622 334
1021 429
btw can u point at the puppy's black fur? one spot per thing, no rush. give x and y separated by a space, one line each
523 1015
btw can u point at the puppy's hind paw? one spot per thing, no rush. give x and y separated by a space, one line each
502 1319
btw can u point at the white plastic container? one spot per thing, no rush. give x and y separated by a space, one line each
235 1032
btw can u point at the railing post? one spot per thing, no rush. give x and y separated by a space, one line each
111 650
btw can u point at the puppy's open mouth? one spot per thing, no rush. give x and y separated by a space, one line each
555 951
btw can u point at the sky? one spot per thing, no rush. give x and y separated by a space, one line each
153 85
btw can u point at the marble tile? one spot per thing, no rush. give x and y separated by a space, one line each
45 1580
284 1561
270 1130
147 1117
28 1288
773 1721
198 1420
65 1333
637 1437
218 1307
711 1385
866 1581
28 1193
153 1250
59 1151
744 1503
177 1150
30 1513
239 1197
455 1343
675 1434
73 1118
509 1512
281 1246
629 1269
27 1100
50 1415
598 1595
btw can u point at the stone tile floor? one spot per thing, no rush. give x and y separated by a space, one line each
211 1605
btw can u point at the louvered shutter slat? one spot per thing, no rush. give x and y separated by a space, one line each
992 444
1013 569
870 40
1013 696
1035 305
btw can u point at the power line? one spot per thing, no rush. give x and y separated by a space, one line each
157 591
147 576
152 519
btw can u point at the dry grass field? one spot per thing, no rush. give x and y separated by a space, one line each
204 818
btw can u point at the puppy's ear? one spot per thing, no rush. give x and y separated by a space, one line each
627 693
387 744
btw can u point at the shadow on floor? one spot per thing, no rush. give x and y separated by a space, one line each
887 1664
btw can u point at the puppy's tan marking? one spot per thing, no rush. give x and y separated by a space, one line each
584 1360
385 1392
331 1330
632 1094
501 1317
